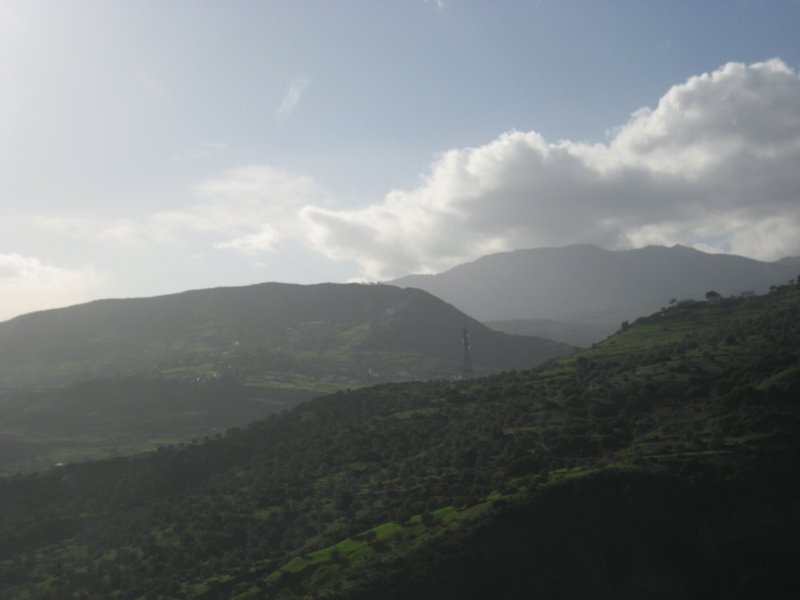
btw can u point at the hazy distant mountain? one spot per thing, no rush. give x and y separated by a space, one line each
790 260
591 288
272 330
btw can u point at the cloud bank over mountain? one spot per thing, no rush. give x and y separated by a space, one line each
714 165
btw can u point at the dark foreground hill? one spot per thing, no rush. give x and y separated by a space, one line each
581 294
663 463
121 376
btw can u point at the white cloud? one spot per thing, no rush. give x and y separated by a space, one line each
28 284
62 225
296 89
256 206
714 164
266 239
249 209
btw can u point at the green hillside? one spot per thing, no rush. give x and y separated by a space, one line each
105 418
272 331
663 463
117 377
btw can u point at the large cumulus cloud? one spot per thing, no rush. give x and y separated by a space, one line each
716 165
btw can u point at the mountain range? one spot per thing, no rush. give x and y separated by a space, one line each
581 294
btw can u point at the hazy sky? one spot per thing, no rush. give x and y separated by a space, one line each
149 147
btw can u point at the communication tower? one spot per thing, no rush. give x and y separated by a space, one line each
467 357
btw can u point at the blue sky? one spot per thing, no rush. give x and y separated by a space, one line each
148 147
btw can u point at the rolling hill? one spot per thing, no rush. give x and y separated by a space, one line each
116 377
354 333
662 463
580 294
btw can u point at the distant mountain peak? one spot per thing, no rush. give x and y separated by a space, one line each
790 260
599 288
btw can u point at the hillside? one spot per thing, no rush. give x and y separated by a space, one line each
663 463
103 418
591 290
116 377
352 333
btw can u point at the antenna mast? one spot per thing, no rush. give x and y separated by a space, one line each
467 357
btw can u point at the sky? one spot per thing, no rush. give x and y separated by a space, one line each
150 147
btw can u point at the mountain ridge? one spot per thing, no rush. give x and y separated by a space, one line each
220 324
121 376
584 284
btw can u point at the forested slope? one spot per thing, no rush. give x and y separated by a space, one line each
663 463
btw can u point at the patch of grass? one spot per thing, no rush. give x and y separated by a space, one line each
264 513
319 566
305 385
571 473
